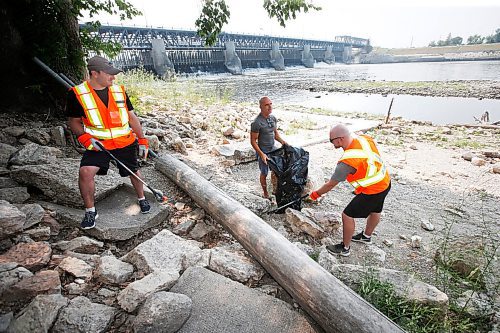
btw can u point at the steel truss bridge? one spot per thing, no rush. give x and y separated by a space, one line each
188 53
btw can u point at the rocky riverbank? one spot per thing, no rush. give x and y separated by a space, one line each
468 89
437 243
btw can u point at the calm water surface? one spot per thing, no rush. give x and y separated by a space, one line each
440 110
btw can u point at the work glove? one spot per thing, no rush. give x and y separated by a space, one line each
314 196
143 148
89 142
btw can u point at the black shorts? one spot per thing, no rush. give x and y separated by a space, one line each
127 155
363 205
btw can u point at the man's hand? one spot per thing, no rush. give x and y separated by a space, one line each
314 196
89 142
143 148
264 158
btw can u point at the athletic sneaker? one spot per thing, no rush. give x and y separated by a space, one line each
339 249
88 221
145 206
361 238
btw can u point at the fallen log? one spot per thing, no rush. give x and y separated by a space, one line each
325 298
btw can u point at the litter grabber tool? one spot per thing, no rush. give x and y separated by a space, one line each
288 204
157 193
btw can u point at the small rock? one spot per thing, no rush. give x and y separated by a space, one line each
427 225
179 205
416 242
413 147
403 237
468 156
495 169
388 243
478 161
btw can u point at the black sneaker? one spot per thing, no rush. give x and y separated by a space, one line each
361 238
339 249
145 206
88 221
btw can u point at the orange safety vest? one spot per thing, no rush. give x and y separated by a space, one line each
371 176
109 124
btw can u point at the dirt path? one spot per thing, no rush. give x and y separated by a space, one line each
431 181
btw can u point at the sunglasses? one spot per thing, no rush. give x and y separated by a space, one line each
270 123
338 137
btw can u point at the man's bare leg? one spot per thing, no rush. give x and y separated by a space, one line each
348 225
263 183
371 223
138 186
86 183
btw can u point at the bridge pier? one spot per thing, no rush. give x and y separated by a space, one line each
161 63
329 56
232 61
277 59
307 57
347 55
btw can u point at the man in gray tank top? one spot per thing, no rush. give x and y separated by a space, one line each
263 134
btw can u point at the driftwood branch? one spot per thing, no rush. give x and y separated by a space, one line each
333 305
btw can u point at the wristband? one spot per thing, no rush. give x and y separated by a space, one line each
314 196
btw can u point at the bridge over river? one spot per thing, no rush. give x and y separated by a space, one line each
164 50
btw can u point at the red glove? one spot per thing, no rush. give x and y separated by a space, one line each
143 148
314 196
89 142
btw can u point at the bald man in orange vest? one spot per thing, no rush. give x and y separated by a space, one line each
362 166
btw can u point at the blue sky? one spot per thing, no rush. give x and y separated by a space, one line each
388 23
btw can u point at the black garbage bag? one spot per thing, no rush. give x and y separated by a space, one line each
290 165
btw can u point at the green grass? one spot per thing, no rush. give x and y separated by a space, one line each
296 125
149 93
413 317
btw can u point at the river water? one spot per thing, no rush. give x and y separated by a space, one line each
439 110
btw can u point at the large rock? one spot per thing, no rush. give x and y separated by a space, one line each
34 154
112 270
236 265
59 181
176 253
299 223
137 292
39 315
42 283
15 195
6 152
404 285
76 267
33 256
83 316
10 274
163 312
11 219
34 214
82 244
221 305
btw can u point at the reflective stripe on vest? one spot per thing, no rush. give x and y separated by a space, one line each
96 126
372 175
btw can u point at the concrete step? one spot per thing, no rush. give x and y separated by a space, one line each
119 218
221 305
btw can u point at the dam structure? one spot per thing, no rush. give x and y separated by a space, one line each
166 50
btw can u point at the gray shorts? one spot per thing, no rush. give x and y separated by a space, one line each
263 167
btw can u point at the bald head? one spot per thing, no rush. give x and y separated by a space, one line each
266 106
340 136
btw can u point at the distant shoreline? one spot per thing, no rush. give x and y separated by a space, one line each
482 52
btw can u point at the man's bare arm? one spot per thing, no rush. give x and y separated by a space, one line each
253 141
76 126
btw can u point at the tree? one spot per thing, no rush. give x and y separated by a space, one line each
475 39
495 38
456 41
432 44
215 14
49 30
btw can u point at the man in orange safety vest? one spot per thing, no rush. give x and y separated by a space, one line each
362 166
100 112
